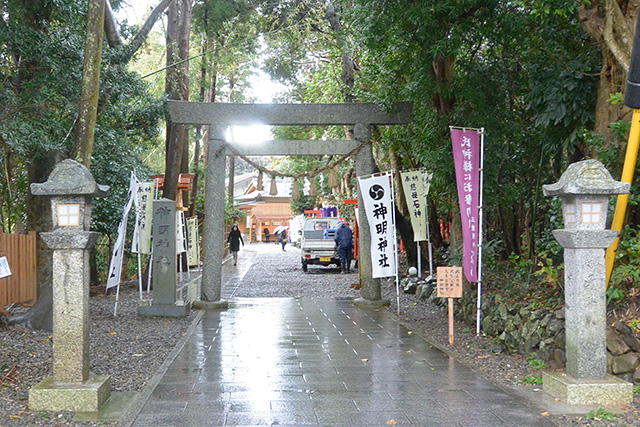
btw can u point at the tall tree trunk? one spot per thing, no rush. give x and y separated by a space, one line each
87 113
347 76
196 171
611 24
39 219
177 88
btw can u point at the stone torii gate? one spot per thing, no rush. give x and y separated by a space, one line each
218 116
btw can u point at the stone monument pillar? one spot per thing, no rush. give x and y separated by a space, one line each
585 188
370 286
71 188
165 275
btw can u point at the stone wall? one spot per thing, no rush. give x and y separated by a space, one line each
539 333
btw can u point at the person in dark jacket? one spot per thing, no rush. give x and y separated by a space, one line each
234 240
283 238
344 242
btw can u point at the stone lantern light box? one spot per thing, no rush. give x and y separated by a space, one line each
71 188
585 188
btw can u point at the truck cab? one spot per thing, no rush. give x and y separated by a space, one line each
317 244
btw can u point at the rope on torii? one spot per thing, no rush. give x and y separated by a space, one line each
308 175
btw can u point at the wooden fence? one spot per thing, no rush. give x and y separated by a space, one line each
20 287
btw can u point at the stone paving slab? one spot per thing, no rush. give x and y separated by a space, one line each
286 361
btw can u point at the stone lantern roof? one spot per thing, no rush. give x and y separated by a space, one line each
586 177
70 178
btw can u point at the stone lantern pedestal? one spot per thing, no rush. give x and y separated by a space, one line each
71 388
585 188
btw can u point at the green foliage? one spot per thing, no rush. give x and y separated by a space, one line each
625 277
304 203
532 379
536 363
636 389
601 414
615 294
548 270
232 213
616 98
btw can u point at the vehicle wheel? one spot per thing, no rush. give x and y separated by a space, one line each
304 266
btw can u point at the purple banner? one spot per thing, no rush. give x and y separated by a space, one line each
466 156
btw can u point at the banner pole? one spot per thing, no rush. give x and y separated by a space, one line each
419 260
480 232
150 268
426 209
139 270
395 240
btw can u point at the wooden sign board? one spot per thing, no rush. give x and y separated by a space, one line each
449 283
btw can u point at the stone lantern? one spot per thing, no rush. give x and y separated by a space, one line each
584 189
71 188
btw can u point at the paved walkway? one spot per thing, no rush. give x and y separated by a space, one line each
287 361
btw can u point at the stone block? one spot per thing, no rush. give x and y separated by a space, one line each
211 305
625 363
608 391
164 310
78 397
112 412
628 336
367 303
615 344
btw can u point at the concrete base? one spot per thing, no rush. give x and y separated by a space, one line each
164 310
211 305
367 303
609 391
81 397
112 411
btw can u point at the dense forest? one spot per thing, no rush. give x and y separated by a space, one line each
545 79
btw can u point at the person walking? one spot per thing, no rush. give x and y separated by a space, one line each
234 240
283 238
344 242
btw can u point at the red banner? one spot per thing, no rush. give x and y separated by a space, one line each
466 156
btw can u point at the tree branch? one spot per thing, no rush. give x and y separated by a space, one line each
111 27
625 35
618 53
139 39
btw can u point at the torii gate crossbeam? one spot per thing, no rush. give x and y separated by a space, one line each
219 116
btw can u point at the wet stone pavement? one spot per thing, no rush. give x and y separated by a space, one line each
315 361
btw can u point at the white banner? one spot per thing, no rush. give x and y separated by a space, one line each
192 240
416 197
377 200
426 181
115 267
181 237
144 212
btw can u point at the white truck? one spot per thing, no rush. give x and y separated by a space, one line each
317 244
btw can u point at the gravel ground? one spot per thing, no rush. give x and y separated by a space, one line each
131 348
128 347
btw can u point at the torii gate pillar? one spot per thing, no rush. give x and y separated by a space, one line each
213 241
